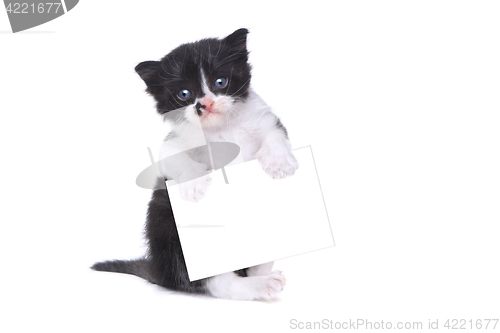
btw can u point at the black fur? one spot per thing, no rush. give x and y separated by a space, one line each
164 265
280 126
198 108
167 265
139 267
180 69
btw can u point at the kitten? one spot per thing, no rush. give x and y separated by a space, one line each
203 89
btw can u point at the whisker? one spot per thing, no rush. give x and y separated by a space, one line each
227 59
230 77
243 85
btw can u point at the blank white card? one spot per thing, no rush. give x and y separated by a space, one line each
253 219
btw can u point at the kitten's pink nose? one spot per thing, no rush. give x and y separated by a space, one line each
207 103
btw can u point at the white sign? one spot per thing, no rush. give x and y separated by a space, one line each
253 219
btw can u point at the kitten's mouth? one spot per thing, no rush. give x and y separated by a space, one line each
207 113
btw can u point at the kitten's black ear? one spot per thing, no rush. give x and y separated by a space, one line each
238 39
147 70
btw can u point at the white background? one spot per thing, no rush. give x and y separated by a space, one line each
399 100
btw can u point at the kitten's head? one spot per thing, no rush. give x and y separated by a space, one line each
204 81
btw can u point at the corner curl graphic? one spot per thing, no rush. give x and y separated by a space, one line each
26 14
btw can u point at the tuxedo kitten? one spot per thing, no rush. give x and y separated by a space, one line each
203 89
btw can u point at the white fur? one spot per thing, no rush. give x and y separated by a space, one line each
232 286
260 269
195 190
252 126
204 84
249 124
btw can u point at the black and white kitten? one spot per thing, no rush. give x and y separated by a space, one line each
203 90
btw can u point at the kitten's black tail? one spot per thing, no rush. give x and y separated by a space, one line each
138 267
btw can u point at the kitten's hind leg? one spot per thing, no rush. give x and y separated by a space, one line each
261 269
232 286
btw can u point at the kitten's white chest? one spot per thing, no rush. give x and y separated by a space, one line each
240 136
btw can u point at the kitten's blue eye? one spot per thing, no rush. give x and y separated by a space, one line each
220 82
184 94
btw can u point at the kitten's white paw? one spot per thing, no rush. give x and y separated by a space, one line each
278 166
271 285
194 190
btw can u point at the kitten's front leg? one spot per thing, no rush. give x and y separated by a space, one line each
275 155
194 181
191 176
194 190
